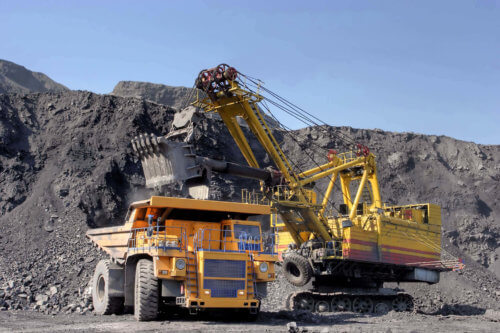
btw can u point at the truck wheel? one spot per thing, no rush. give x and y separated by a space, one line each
146 291
297 269
103 304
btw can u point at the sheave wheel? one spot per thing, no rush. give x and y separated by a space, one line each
146 296
103 304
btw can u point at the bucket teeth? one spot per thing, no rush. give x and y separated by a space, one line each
145 144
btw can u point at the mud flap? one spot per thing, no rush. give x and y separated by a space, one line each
116 281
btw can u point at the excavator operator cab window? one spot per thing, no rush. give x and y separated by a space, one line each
343 210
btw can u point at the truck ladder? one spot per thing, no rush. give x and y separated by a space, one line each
192 274
251 278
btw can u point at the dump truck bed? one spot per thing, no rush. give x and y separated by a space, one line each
115 240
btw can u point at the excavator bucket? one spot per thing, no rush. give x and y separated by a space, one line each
171 166
169 163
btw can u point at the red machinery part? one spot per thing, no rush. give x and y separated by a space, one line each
204 79
231 73
212 79
331 154
362 150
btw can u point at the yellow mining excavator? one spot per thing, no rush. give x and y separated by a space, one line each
349 254
340 255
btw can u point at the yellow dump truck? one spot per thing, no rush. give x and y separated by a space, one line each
177 252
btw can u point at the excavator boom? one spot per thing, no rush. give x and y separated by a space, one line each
299 213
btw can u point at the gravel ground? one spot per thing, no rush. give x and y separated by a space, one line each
26 321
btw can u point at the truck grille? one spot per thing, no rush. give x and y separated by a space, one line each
224 268
224 288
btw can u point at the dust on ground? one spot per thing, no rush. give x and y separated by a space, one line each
283 321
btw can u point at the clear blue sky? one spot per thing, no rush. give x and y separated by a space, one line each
429 67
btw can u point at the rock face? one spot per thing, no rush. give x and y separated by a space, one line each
17 79
175 97
66 164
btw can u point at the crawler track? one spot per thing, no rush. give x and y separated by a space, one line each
361 302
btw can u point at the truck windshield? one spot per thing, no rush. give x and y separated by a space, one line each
246 231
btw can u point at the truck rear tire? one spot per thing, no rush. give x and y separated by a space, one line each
297 269
103 304
146 296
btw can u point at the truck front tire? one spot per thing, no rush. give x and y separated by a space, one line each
146 297
102 302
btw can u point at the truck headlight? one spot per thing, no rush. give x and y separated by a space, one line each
180 264
263 267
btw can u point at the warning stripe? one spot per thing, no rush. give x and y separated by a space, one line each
359 242
355 254
397 258
390 247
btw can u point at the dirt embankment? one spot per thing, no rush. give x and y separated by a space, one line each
17 79
174 97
